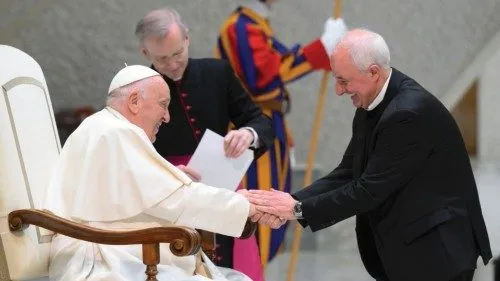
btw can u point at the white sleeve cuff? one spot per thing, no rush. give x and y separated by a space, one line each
255 143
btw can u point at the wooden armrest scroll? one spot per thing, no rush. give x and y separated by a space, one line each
183 241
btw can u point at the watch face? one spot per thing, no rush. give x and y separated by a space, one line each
297 208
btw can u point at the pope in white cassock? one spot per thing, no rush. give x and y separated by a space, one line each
110 176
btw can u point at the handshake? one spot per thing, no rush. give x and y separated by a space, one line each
272 208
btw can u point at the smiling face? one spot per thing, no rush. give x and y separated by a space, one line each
155 109
169 54
361 85
148 105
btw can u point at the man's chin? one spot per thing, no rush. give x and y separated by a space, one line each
173 76
176 75
356 104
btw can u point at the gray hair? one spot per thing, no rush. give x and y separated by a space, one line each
366 48
118 96
158 23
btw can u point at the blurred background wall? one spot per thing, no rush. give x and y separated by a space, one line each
81 44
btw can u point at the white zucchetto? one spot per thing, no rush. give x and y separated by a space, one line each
129 75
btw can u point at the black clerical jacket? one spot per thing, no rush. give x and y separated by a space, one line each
407 176
209 96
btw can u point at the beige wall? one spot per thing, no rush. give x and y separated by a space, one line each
489 114
81 44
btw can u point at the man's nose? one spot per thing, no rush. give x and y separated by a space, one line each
166 117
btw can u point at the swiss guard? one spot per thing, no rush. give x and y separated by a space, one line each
265 66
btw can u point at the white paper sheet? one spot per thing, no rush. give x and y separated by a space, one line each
215 168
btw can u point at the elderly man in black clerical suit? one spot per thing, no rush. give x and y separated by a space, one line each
405 174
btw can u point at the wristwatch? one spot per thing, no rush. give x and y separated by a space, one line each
297 210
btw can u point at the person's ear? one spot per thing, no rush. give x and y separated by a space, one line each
144 51
134 102
374 72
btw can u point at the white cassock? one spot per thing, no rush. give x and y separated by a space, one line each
110 176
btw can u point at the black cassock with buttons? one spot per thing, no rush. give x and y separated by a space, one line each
209 96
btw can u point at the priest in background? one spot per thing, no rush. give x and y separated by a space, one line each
110 176
206 94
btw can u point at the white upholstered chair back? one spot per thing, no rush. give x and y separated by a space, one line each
29 147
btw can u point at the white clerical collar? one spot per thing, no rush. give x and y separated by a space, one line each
116 113
259 7
380 97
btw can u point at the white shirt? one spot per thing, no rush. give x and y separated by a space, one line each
380 97
255 142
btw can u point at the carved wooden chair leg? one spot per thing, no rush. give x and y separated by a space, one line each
208 239
151 258
208 244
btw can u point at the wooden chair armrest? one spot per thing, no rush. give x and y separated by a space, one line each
183 241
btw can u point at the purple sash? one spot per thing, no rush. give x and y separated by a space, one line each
179 160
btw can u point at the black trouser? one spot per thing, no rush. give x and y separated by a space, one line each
496 269
464 276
